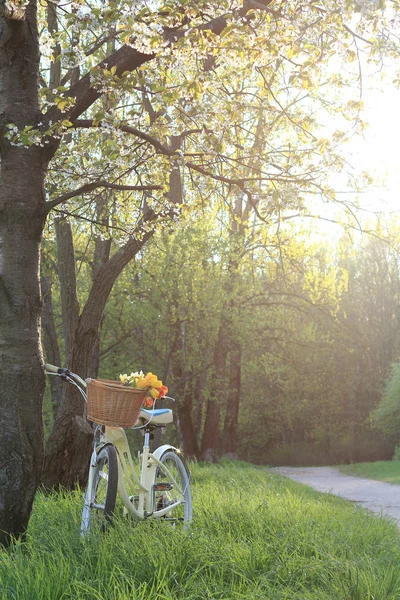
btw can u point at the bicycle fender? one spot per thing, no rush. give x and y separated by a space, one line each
161 450
158 452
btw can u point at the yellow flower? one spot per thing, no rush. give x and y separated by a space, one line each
124 378
151 381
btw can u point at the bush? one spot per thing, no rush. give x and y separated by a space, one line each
387 416
396 455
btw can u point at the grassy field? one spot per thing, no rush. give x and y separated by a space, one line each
254 536
382 470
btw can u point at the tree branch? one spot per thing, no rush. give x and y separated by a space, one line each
200 169
117 343
127 58
102 41
88 187
67 213
162 149
354 34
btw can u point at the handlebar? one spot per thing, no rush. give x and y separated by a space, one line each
66 375
57 370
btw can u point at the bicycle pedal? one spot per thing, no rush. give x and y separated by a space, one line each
162 487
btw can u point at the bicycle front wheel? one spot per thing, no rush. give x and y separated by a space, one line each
172 488
101 494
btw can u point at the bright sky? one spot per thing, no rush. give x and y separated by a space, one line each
377 151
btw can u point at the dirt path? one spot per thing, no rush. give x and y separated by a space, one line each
377 496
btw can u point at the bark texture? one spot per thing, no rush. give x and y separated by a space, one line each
50 342
209 442
67 277
229 434
184 391
185 411
22 217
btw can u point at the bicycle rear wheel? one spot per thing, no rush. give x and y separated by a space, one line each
170 490
100 496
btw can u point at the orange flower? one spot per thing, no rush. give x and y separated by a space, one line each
162 391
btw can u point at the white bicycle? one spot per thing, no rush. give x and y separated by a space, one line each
157 487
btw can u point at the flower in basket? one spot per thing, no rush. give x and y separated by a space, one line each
155 387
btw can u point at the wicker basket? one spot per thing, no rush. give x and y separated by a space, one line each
112 403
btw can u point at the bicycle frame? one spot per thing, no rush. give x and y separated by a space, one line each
140 487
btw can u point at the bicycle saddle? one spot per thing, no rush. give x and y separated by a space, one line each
158 416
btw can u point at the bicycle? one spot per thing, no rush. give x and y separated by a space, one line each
158 488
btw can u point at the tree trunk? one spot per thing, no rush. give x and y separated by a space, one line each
68 447
209 445
197 415
185 407
183 391
50 342
21 365
229 436
209 442
101 257
68 289
22 217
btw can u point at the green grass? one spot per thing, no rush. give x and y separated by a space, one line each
254 536
381 470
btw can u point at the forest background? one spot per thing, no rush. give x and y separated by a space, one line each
165 161
307 328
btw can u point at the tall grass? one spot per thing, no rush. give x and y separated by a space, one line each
254 536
